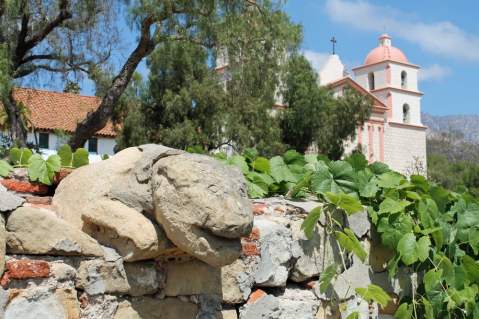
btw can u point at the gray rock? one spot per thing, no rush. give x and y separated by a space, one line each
151 308
279 308
237 280
101 307
359 223
8 200
275 263
3 244
312 255
39 232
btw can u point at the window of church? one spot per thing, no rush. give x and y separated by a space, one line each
403 79
405 113
371 81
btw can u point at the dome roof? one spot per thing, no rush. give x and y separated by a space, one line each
385 51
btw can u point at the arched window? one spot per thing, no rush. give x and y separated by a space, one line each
405 113
371 81
403 79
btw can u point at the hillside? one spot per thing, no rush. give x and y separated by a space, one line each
467 125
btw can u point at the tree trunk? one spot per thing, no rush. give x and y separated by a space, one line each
18 129
97 119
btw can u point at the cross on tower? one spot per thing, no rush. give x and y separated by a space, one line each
333 41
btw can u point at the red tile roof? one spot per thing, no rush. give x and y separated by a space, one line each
59 111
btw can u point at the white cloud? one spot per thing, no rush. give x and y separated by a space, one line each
434 72
317 59
441 38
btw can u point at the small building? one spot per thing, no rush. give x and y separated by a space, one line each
394 134
53 117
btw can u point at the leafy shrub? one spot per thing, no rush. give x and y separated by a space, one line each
71 159
430 229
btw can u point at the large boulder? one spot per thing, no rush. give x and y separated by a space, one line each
8 200
39 232
199 203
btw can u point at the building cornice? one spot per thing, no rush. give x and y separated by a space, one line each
386 61
392 88
407 125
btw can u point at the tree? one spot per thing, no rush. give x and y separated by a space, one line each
49 36
315 116
183 103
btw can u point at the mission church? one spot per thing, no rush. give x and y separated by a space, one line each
394 134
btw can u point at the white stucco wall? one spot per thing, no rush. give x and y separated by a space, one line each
414 102
411 72
379 70
403 145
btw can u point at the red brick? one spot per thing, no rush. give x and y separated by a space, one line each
25 268
39 200
259 208
250 248
255 296
254 235
24 187
64 172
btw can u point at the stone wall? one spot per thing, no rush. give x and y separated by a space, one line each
157 233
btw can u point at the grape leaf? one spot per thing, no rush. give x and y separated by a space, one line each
392 206
347 240
310 222
261 164
5 168
20 157
327 277
344 201
280 171
80 158
404 311
43 170
353 315
66 155
407 248
240 162
471 267
374 293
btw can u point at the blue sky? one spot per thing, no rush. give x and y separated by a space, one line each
440 36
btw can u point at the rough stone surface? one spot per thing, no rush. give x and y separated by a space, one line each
8 200
200 203
276 254
40 302
228 314
112 276
99 307
3 244
35 231
203 206
236 280
359 223
192 278
150 308
312 255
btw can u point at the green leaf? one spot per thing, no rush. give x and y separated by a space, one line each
432 280
338 177
353 315
20 157
66 155
240 162
344 201
472 268
357 160
390 180
292 157
255 191
43 171
280 171
392 206
440 196
326 277
404 311
310 222
413 195
303 183
80 158
428 309
250 154
407 248
474 240
348 241
374 293
423 247
261 164
378 168
5 168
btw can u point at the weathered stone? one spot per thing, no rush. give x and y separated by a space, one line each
192 278
275 241
256 295
41 302
3 244
228 314
237 280
99 307
112 276
8 200
133 235
359 223
378 254
34 231
203 206
151 308
278 308
312 255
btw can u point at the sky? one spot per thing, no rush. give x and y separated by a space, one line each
440 36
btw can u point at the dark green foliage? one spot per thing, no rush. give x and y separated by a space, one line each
314 116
